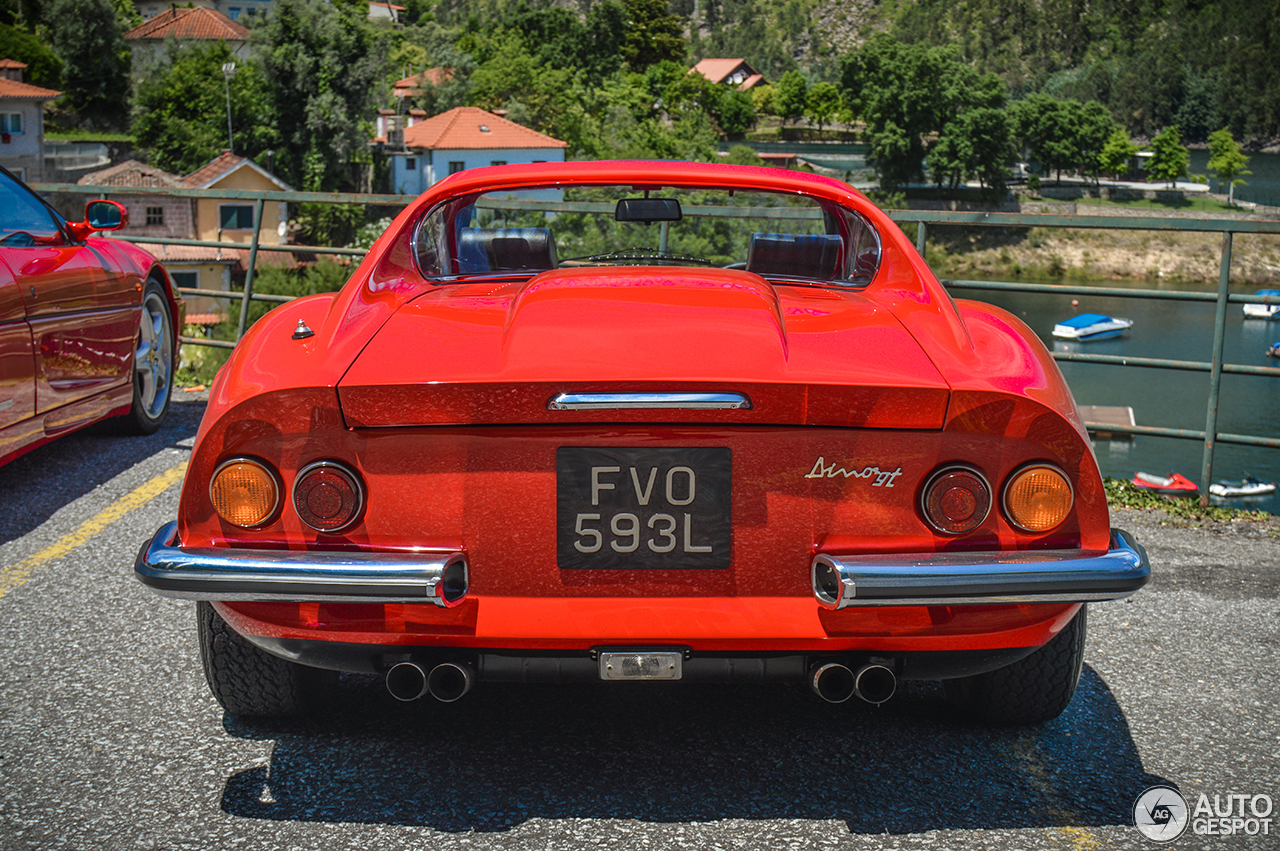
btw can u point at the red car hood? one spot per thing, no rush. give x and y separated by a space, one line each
491 352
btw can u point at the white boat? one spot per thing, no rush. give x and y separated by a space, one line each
1263 311
1248 487
1091 326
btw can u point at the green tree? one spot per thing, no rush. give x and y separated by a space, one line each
652 34
1169 159
949 158
44 68
822 104
324 69
1044 126
792 95
764 98
1092 126
978 143
991 141
180 113
1226 161
87 36
513 79
606 38
737 113
907 93
1116 153
742 155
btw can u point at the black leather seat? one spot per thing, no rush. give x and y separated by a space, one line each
505 250
799 255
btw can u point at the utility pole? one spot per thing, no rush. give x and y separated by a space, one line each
228 69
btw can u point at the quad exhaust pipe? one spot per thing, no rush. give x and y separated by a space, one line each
836 683
446 682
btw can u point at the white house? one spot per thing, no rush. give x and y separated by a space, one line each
187 25
462 138
22 122
731 72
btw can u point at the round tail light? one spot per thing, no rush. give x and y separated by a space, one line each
327 496
244 492
1037 498
956 500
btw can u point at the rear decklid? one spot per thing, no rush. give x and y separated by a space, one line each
497 352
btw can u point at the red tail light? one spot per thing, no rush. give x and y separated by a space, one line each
956 500
327 496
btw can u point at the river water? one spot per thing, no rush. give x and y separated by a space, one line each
1174 330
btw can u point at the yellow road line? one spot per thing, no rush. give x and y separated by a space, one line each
15 575
1036 773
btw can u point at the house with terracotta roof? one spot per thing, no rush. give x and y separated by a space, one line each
385 11
22 122
231 220
172 217
731 72
411 86
462 138
191 24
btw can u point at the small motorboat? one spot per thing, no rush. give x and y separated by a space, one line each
1249 486
1092 326
1274 351
1175 484
1263 311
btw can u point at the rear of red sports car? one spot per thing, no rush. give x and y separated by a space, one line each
638 421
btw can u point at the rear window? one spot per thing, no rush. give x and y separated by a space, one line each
776 235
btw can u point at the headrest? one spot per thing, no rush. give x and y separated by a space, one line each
802 255
505 249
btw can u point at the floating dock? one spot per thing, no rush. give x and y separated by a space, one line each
1098 417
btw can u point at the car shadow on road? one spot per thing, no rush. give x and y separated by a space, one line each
504 755
54 475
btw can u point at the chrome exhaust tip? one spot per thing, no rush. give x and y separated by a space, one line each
875 684
832 682
454 580
449 681
407 681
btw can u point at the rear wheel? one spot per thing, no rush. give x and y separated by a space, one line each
1032 690
152 363
249 681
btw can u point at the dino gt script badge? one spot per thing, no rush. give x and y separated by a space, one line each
883 478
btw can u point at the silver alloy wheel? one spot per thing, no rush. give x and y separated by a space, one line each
153 361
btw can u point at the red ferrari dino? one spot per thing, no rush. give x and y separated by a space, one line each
86 325
654 421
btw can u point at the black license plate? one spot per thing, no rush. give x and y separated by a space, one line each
625 508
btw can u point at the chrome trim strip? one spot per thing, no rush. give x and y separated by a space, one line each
964 579
633 401
229 573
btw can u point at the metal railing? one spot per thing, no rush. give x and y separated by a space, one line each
260 198
1228 227
1210 436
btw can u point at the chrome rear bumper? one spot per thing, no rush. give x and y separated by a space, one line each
839 581
958 579
223 573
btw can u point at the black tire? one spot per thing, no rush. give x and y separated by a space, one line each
153 363
249 681
1032 690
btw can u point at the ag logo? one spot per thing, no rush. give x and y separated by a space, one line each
1161 813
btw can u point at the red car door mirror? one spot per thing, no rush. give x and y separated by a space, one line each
100 215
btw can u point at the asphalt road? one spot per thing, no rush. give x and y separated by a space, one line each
110 740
